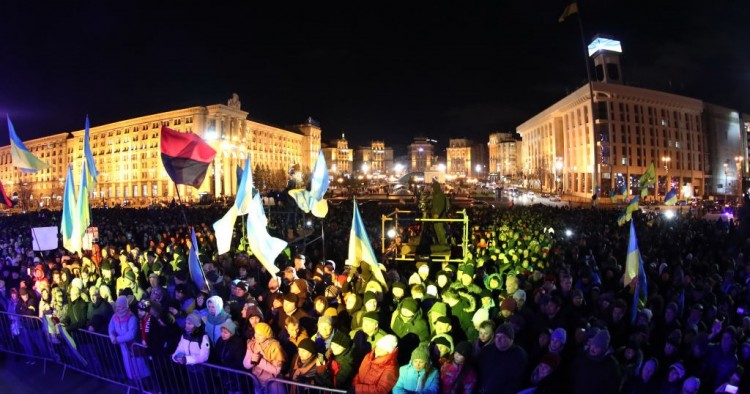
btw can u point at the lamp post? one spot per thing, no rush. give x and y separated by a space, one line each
666 160
558 174
740 174
726 171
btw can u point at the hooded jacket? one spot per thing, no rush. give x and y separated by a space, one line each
412 381
377 375
214 322
194 346
338 371
414 325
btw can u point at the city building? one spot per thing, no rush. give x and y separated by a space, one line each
421 154
376 159
691 143
465 159
339 157
504 151
128 155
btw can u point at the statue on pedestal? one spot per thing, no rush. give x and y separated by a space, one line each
234 102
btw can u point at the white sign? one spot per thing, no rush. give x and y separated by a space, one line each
44 238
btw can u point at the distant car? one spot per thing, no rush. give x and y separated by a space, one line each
530 194
403 192
481 203
544 195
555 198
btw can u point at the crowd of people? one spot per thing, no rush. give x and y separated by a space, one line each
538 306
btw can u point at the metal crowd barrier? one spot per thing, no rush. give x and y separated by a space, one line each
289 387
131 365
24 335
168 376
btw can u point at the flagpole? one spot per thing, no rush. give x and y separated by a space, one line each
595 173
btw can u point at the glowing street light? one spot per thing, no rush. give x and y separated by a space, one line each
740 176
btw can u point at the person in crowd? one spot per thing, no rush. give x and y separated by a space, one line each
502 366
595 370
99 312
323 337
338 370
229 350
418 376
216 317
264 354
646 381
303 366
545 377
194 349
458 375
123 328
75 316
379 370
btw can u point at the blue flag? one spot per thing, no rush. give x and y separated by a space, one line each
360 249
20 155
67 226
671 197
634 271
313 200
93 172
196 269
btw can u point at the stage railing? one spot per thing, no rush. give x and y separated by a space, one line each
131 365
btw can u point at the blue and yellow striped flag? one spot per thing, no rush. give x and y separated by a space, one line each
624 192
20 156
634 271
671 197
632 205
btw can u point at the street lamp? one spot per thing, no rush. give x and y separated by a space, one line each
740 176
558 167
666 160
726 171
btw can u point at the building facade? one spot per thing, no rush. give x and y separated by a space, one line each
698 148
128 154
465 159
377 158
504 152
339 157
421 154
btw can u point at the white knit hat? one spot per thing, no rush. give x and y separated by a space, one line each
387 343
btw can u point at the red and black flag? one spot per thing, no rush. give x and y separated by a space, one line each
4 197
185 156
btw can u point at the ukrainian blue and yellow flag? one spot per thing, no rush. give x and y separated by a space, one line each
632 205
360 249
623 218
82 218
224 227
313 201
67 225
613 196
671 197
20 156
634 272
88 153
624 192
194 264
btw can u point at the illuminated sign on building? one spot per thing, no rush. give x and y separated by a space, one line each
604 44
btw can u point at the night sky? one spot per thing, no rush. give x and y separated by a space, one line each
369 69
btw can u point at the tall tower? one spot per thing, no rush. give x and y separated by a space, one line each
606 54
